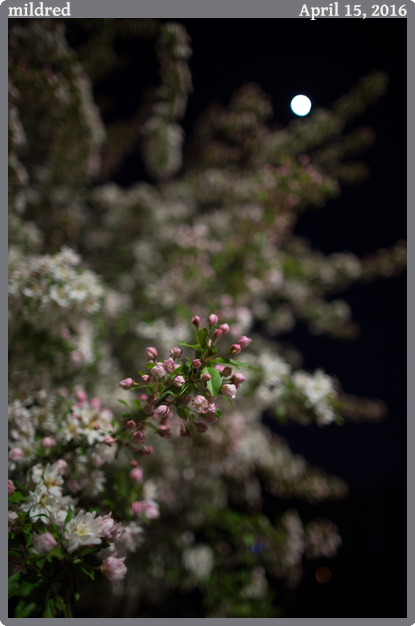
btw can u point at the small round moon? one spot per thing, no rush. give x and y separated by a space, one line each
301 105
323 574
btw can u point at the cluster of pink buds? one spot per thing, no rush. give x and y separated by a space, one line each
188 388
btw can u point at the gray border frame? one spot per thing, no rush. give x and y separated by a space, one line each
177 9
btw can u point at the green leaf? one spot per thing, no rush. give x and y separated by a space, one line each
70 515
125 404
77 595
182 413
195 347
19 485
91 574
16 552
218 413
23 609
215 383
228 399
14 585
48 610
17 497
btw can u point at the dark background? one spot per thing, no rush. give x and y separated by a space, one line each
323 60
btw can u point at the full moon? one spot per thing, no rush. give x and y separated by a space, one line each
301 105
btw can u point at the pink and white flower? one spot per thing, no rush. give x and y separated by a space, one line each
149 508
151 353
162 411
111 530
169 365
158 371
84 530
229 390
126 384
43 544
200 403
136 475
179 381
114 569
175 353
244 341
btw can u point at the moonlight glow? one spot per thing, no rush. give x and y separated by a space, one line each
301 105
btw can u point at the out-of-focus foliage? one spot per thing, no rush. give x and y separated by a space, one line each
98 272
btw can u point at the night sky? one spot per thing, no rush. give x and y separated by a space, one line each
323 60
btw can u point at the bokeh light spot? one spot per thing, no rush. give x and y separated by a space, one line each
323 574
301 105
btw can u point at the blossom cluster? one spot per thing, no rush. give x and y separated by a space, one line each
190 387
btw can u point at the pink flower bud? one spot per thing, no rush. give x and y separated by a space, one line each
179 381
229 390
219 367
44 543
151 353
139 437
47 442
200 403
224 328
146 451
169 365
206 377
201 428
184 432
149 508
211 407
149 409
162 411
238 378
227 371
16 454
11 517
109 441
96 404
213 319
196 321
81 396
186 398
136 475
134 463
235 348
61 466
151 399
143 396
218 333
165 432
73 485
210 417
126 384
158 371
131 425
12 488
146 378
244 341
175 353
197 363
114 569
